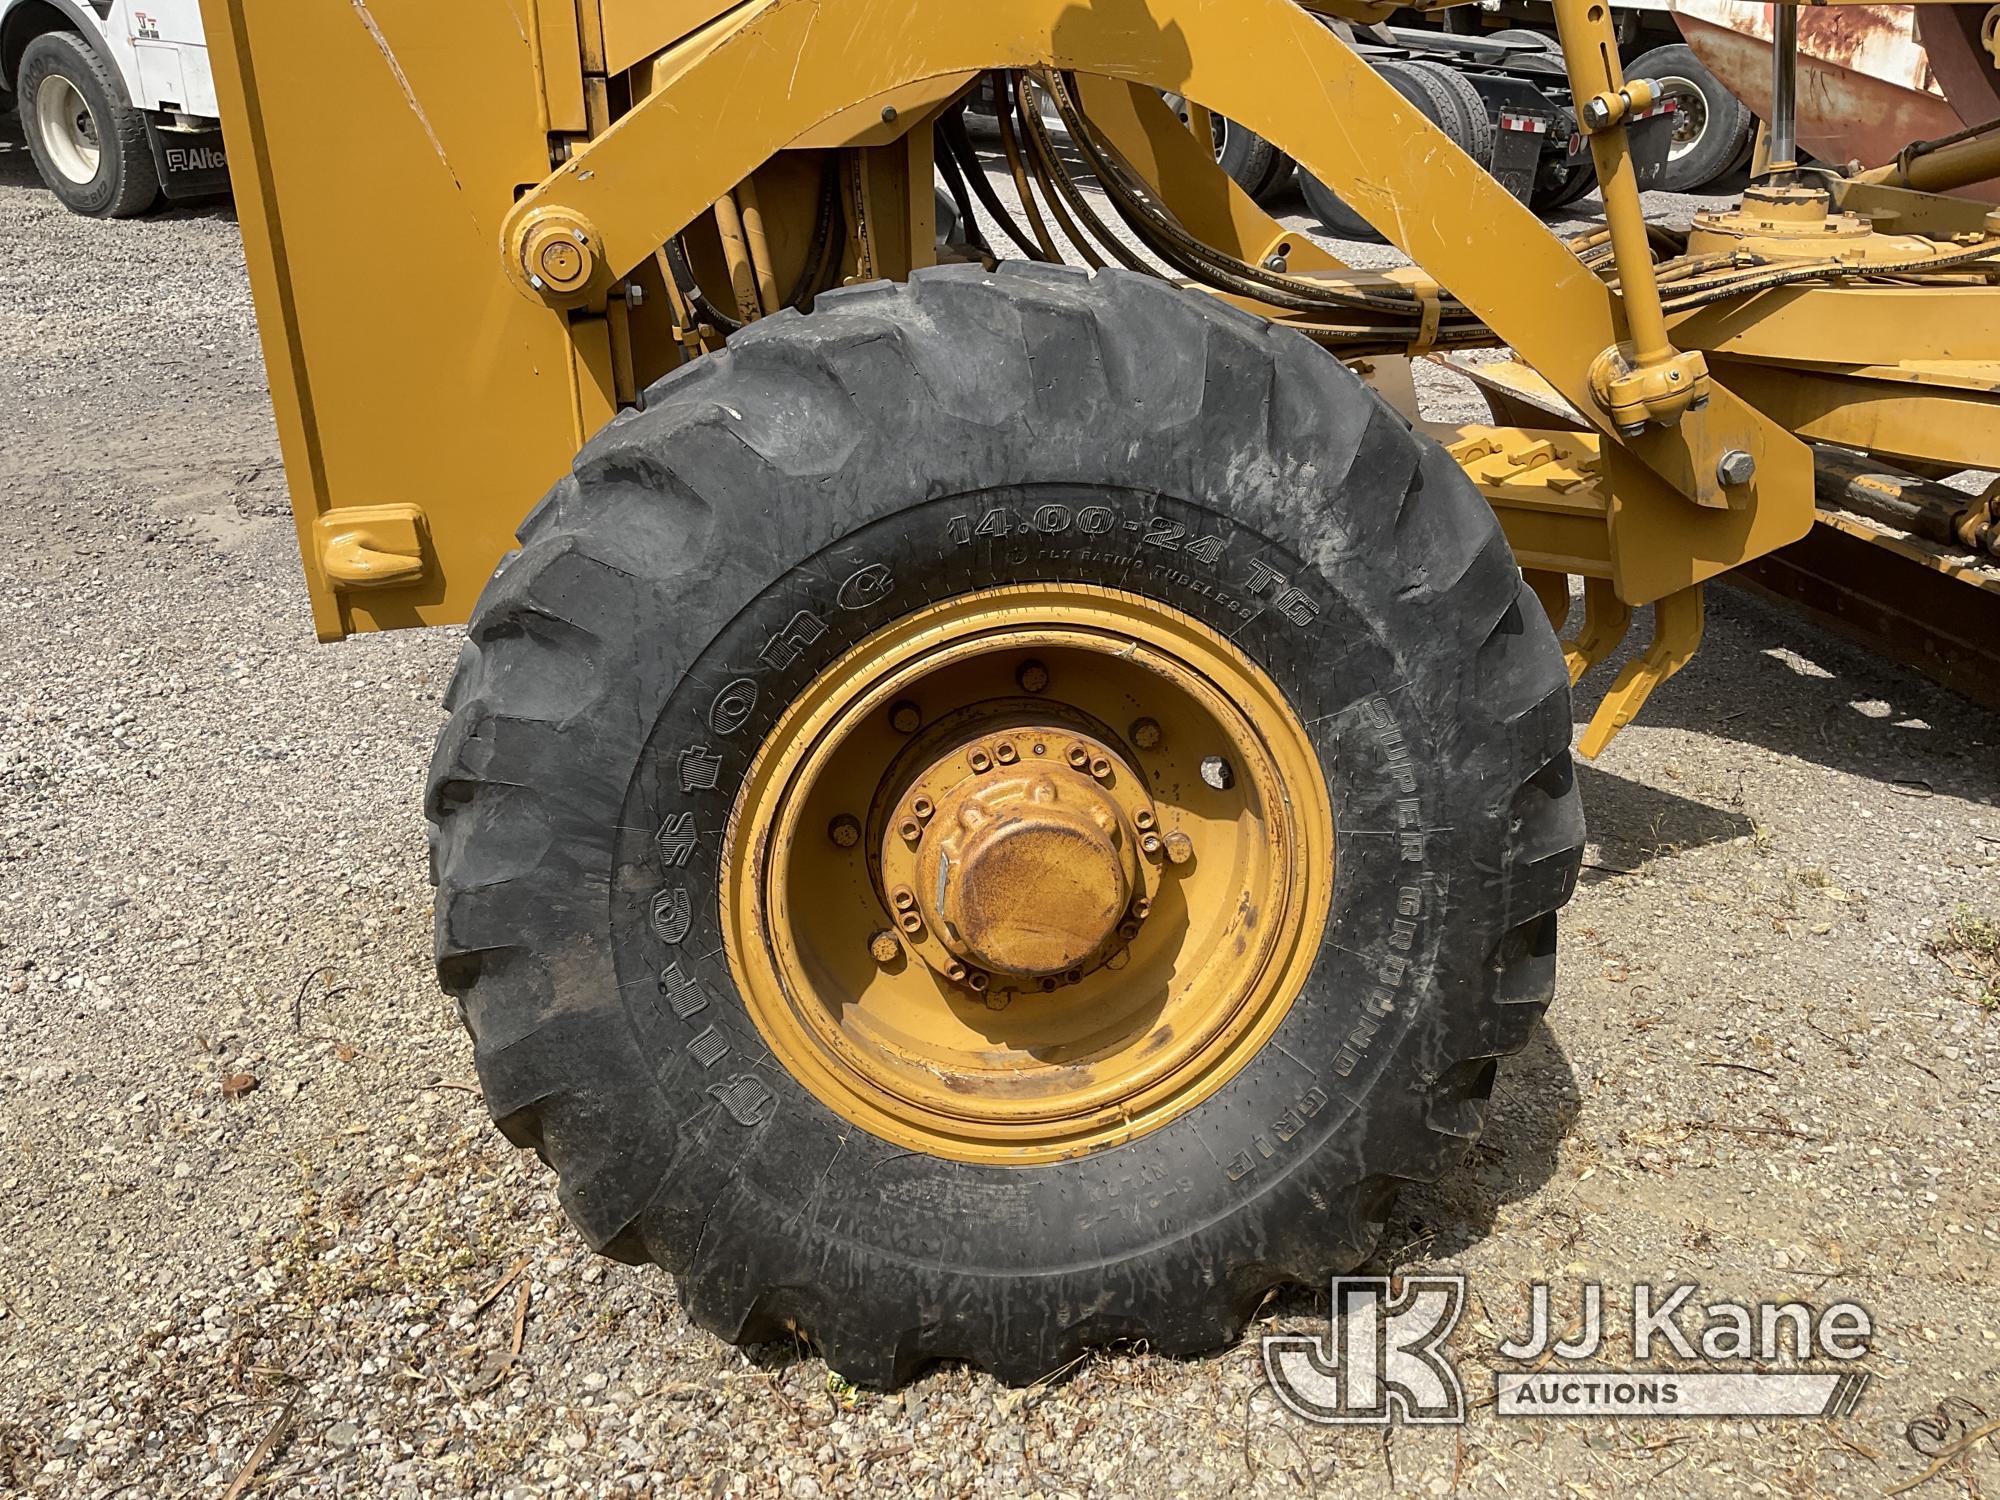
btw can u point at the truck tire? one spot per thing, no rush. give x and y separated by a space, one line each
1467 111
1711 125
642 810
88 143
1433 102
1257 166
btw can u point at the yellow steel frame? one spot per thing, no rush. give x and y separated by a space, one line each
450 279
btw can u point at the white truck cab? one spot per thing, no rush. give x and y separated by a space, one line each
116 100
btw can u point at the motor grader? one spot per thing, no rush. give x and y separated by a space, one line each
1009 791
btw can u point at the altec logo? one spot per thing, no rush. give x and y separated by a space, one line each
1384 1357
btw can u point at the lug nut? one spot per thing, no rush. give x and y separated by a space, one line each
1151 844
1217 772
975 981
980 761
1144 818
1142 908
910 829
1048 985
1077 756
1146 733
845 831
911 923
904 898
905 717
955 971
884 947
1005 753
1180 848
922 807
1128 930
1100 768
1033 677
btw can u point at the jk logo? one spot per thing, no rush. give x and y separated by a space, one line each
1383 1358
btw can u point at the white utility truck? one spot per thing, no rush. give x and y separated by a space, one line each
115 99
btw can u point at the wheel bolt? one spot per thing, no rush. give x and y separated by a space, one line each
976 981
980 761
1100 768
911 923
1180 848
1146 733
1128 930
1005 753
922 807
904 898
1077 756
1142 908
905 717
1033 677
910 829
1151 844
884 947
844 831
954 971
1144 818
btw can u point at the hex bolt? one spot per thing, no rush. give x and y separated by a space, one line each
1735 467
980 761
1005 753
1033 677
635 295
1276 262
1100 768
1077 756
1142 908
1180 848
1048 985
1146 733
1144 818
884 947
923 807
845 831
905 717
904 898
1217 772
1128 930
888 114
1151 844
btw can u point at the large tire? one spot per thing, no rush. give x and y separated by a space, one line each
841 444
1711 125
61 77
1257 166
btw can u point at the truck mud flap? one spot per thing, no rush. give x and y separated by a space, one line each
192 163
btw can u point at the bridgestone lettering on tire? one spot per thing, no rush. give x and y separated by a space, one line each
775 504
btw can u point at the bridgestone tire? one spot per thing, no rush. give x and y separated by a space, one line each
1254 162
813 466
126 182
1723 137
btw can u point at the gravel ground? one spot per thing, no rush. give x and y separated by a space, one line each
252 1215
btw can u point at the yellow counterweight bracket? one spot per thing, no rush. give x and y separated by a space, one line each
1606 618
1677 624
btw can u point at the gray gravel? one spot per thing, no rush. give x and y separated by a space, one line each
1769 1069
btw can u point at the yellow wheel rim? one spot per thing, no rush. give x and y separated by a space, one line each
1028 873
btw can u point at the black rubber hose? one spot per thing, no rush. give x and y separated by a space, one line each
691 293
952 127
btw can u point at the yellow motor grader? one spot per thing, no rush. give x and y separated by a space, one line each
1009 791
